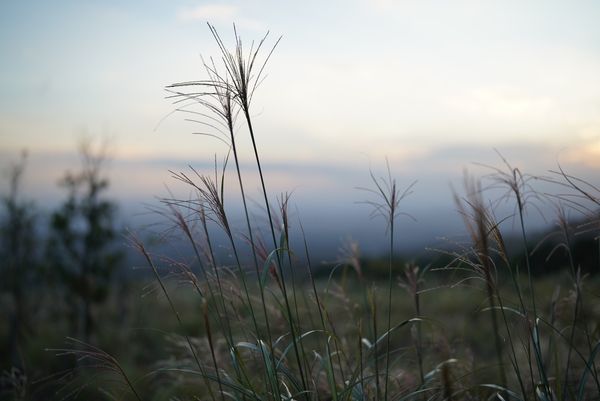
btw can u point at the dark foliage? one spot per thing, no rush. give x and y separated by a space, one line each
81 244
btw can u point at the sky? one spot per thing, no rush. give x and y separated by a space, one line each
432 86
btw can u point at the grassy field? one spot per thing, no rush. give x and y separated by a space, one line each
453 330
270 324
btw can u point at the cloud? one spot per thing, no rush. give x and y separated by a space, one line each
504 103
213 12
218 13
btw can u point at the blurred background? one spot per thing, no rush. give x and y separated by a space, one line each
434 87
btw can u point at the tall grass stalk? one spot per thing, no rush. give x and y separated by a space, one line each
480 226
389 195
244 81
502 252
238 85
517 185
211 194
284 245
223 106
565 244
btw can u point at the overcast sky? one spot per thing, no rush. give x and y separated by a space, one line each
360 76
432 85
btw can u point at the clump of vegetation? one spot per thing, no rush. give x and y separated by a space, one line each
270 330
81 245
18 261
55 278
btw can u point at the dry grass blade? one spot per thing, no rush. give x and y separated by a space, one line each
349 254
580 186
92 357
480 225
584 199
210 200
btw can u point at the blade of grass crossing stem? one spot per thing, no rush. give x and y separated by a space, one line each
290 345
586 371
375 359
539 360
